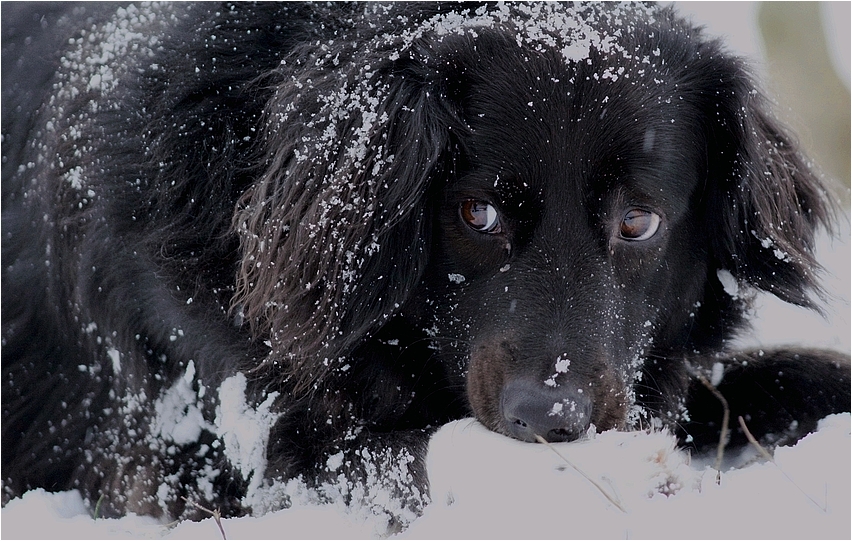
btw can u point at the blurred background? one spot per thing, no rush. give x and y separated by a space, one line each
801 53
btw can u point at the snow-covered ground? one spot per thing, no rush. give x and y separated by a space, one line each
632 485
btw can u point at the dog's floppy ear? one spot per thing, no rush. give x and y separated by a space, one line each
336 232
764 196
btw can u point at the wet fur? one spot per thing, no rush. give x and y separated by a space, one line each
215 233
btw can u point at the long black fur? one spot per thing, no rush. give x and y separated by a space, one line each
274 196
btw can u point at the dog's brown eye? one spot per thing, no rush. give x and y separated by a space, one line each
481 216
639 224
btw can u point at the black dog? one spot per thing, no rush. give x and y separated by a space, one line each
248 248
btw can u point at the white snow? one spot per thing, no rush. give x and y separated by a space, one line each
729 283
179 417
115 358
561 368
485 485
245 432
717 373
456 278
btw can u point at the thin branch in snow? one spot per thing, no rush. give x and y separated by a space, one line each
762 450
217 516
752 440
612 499
726 418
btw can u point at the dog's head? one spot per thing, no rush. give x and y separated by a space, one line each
557 194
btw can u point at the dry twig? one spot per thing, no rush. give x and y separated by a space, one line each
217 516
753 441
726 418
612 500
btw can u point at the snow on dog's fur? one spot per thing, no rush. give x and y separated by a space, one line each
255 253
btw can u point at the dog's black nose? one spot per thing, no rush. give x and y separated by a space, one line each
555 413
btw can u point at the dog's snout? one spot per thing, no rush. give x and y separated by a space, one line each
556 414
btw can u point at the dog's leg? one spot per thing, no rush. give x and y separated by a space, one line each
780 394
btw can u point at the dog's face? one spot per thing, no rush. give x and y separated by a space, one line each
567 241
555 221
